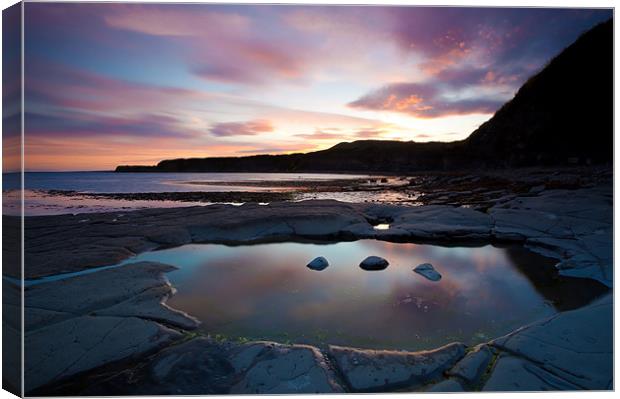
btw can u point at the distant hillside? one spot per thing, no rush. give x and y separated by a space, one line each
562 115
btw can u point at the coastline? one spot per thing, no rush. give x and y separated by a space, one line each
572 225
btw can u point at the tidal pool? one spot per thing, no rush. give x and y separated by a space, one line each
265 291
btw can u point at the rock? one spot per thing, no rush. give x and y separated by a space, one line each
150 304
170 237
61 350
449 385
427 270
515 374
196 367
286 369
443 222
135 289
379 371
576 346
474 365
318 263
87 321
94 291
243 357
570 225
374 263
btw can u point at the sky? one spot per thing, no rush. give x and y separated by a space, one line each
109 84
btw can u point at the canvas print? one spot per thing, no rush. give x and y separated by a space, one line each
230 198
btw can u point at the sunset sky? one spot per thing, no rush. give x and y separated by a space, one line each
110 84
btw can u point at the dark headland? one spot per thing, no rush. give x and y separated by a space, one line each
563 115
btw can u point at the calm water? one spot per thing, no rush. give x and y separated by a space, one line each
39 202
266 292
109 182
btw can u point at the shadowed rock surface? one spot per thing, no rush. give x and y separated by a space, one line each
368 370
572 350
84 322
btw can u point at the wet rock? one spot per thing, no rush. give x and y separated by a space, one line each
443 222
79 344
87 321
196 367
427 270
319 263
83 294
243 358
474 365
375 370
572 226
575 347
515 374
151 305
285 369
374 263
170 236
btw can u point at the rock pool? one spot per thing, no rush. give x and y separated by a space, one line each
266 292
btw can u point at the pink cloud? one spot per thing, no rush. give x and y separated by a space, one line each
422 101
75 88
337 134
249 128
173 21
219 46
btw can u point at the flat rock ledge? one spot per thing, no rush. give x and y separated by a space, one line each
80 323
118 316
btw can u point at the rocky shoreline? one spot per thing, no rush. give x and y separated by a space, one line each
476 190
115 330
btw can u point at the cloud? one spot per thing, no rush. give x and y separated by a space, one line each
249 128
170 20
70 87
286 149
456 49
338 134
220 43
79 125
252 62
422 101
369 133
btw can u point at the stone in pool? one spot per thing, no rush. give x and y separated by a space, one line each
374 263
318 263
427 270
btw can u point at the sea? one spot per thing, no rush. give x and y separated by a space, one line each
43 191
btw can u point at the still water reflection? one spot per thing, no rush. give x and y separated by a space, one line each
266 292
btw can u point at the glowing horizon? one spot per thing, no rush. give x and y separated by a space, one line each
115 84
